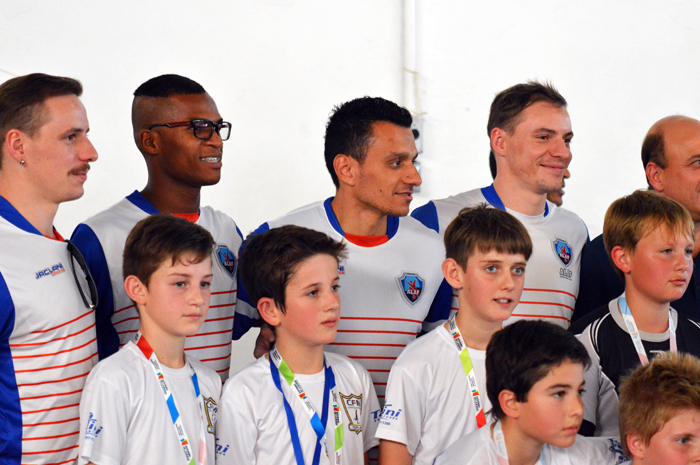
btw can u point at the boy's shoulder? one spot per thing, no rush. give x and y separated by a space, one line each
477 446
586 451
425 349
579 326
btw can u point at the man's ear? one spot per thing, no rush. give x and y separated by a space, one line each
621 258
635 443
136 290
655 176
453 273
269 311
509 404
148 141
498 141
346 168
15 141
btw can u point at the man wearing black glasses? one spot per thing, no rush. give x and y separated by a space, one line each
180 133
47 323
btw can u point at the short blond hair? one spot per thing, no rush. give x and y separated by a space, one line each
631 218
653 394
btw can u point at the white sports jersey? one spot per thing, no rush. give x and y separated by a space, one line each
47 345
124 418
428 400
552 276
252 427
101 239
478 448
386 291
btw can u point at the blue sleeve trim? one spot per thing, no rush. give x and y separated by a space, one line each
11 214
427 214
492 197
331 216
392 225
140 201
89 245
10 407
442 304
242 323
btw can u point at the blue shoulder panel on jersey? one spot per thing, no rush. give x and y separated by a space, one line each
139 200
492 197
331 216
442 304
10 408
392 225
89 245
427 214
11 214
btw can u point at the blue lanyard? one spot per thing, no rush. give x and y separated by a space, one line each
319 426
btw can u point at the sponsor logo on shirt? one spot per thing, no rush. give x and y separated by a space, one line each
616 448
221 450
227 260
341 267
51 271
353 411
411 286
562 251
210 404
91 431
389 415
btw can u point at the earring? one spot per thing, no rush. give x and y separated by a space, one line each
21 163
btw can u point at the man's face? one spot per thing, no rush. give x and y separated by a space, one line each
387 176
537 153
57 157
182 157
681 177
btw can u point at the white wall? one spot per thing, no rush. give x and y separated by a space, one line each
276 68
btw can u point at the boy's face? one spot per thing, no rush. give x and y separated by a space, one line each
492 284
312 303
661 265
553 410
677 443
177 296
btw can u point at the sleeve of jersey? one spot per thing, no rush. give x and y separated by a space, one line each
592 386
404 408
10 410
599 282
597 450
89 245
440 308
370 412
236 428
104 421
427 214
247 315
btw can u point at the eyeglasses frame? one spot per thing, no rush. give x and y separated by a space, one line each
75 253
217 127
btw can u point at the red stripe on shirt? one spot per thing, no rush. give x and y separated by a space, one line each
223 305
379 319
51 437
208 347
125 320
51 395
209 334
54 353
410 333
57 366
224 292
214 359
50 451
52 422
360 344
55 380
122 309
48 409
33 344
63 324
551 290
547 303
557 317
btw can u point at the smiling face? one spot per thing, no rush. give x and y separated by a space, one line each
553 410
387 175
312 303
537 153
57 157
677 443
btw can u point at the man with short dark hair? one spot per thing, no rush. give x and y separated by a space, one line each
180 133
530 132
390 280
47 324
671 160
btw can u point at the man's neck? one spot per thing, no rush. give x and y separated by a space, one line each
32 206
649 316
301 358
696 249
476 332
522 449
170 350
519 199
356 217
169 197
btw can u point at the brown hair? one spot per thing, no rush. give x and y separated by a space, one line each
485 228
510 103
655 393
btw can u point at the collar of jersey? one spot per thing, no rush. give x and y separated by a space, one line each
392 222
492 197
140 201
10 213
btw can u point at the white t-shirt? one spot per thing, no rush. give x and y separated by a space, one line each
552 277
428 400
252 424
478 448
124 418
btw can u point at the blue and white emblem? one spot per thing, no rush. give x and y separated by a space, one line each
562 250
227 260
411 286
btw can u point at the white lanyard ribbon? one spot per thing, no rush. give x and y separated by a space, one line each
624 309
148 352
469 371
316 423
500 441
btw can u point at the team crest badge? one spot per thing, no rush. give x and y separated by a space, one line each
562 251
227 260
211 408
353 410
411 286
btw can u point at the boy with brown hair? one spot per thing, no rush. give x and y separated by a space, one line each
650 240
149 402
435 390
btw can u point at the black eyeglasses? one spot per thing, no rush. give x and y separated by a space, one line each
76 256
203 128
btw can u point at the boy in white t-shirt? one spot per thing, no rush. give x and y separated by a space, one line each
534 380
149 402
297 404
436 388
660 411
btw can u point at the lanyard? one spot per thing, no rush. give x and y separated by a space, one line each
148 352
469 371
317 424
500 441
634 333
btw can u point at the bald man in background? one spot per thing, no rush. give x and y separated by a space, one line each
671 159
